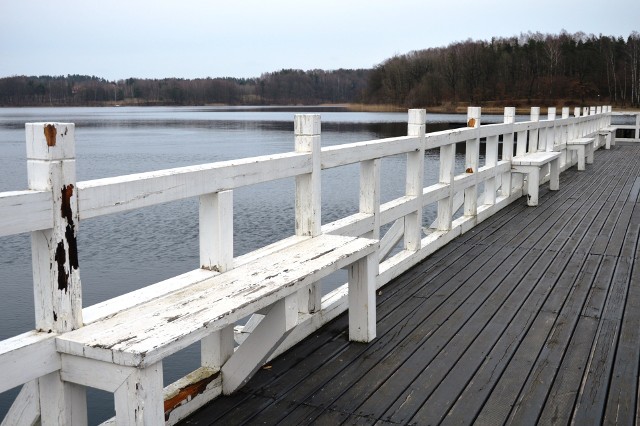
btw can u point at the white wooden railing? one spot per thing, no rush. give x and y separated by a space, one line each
54 204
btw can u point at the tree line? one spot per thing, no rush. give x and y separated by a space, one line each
277 88
529 68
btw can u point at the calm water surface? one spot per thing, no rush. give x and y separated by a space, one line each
120 253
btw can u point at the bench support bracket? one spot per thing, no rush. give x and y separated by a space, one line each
261 343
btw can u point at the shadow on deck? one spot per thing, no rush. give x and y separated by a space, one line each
533 316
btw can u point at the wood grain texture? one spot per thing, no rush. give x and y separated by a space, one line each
149 332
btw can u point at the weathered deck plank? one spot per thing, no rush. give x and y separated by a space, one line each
623 390
570 230
606 218
449 321
591 404
533 317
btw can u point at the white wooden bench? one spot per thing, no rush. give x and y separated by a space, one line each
531 164
584 149
607 137
123 353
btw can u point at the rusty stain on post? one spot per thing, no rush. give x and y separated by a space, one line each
70 234
50 134
61 258
66 212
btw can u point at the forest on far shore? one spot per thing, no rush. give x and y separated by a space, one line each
529 69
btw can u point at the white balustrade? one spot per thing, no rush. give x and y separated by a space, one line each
55 204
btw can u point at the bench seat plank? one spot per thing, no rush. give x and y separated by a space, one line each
580 141
584 148
535 158
608 134
530 164
147 333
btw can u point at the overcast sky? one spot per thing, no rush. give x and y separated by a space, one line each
117 39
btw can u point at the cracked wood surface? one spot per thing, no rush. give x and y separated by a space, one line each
146 333
531 318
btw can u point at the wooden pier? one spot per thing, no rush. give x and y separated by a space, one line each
515 304
532 317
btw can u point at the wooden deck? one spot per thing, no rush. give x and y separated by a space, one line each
533 316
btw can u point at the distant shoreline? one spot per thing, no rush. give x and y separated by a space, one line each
522 108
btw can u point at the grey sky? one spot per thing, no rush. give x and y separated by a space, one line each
117 39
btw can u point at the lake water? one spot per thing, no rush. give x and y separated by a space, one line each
123 252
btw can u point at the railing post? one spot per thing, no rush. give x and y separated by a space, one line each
599 124
216 231
574 131
308 198
414 180
51 167
491 160
586 124
307 139
534 132
216 254
472 160
507 149
370 194
564 137
551 131
592 123
521 143
565 127
446 176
